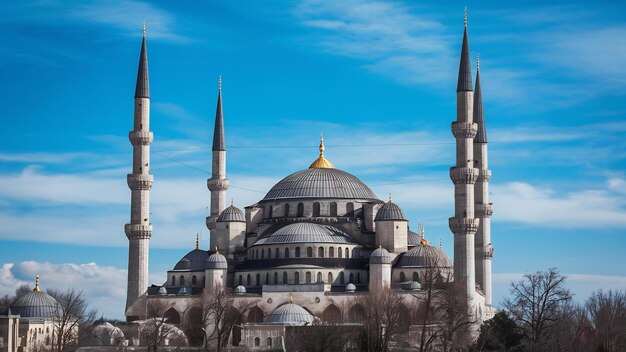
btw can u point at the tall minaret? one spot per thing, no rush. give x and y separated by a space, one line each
484 209
464 175
139 230
218 183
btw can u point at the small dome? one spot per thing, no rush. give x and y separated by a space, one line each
231 213
390 211
36 304
108 335
424 255
350 287
411 286
290 314
413 238
380 256
162 291
306 232
216 261
240 289
184 290
193 261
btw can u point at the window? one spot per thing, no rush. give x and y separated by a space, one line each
194 280
402 277
309 252
269 215
286 252
316 209
331 252
286 210
296 278
285 278
258 279
173 280
267 278
182 280
351 277
308 277
333 209
347 253
262 253
340 252
277 253
300 209
416 276
257 341
297 252
358 278
269 253
269 342
319 277
350 209
354 252
248 280
275 278
320 252
330 278
240 280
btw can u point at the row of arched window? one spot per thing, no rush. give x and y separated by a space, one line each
316 210
416 276
277 253
268 341
181 280
275 279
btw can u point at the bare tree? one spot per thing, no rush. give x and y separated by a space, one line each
535 304
73 321
321 337
6 300
158 326
607 314
382 320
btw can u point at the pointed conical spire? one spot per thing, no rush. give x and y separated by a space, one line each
142 90
218 130
479 116
465 68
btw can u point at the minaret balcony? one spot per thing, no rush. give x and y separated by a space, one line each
463 226
211 222
217 184
138 231
485 175
463 175
140 137
488 253
464 129
484 210
139 182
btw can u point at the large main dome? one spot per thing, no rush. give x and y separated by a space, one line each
320 183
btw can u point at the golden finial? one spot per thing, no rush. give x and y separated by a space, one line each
144 28
217 251
389 200
197 240
290 298
321 162
465 16
36 289
423 240
219 82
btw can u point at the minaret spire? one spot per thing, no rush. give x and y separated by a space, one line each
465 66
218 183
139 230
479 117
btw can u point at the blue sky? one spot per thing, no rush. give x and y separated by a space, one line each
377 78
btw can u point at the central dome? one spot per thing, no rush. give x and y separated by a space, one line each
320 183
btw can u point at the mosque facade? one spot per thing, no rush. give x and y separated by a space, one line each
319 238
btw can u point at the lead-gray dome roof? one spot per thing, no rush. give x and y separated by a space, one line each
36 304
193 261
290 314
380 256
306 232
231 213
320 183
216 261
424 255
390 211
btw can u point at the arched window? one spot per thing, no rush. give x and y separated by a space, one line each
258 279
319 277
182 280
351 278
275 278
340 252
320 252
300 210
416 276
297 252
286 252
173 280
296 278
331 252
333 209
309 252
286 210
350 209
354 252
262 253
248 280
330 278
270 213
267 278
194 280
269 342
402 277
316 209
347 253
277 253
257 341
358 278
285 278
308 277
269 253
240 280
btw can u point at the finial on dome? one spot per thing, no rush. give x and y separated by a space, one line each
389 200
290 298
197 240
321 162
423 240
465 17
232 202
217 251
36 289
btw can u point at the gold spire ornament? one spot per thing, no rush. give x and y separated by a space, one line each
36 289
389 200
321 162
423 240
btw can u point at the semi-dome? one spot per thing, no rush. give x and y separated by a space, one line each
290 314
108 335
193 261
240 289
320 183
232 213
380 256
216 261
36 304
306 232
424 255
390 211
350 287
162 291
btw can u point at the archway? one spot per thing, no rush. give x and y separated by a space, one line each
331 314
194 325
172 317
357 313
255 315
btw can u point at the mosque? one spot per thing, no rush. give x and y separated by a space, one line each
318 239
